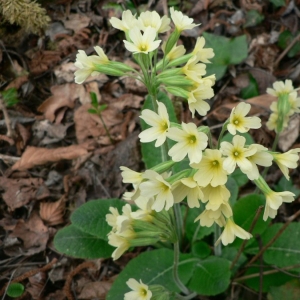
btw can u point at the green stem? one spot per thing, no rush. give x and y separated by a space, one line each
181 286
106 129
224 128
275 142
178 222
217 247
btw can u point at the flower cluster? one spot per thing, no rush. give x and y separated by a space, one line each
286 105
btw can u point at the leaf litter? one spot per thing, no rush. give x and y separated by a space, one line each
62 156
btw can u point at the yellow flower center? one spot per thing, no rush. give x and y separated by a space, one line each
236 154
143 292
236 122
215 163
143 47
192 139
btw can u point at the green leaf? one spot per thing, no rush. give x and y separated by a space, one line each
102 107
288 291
211 276
240 178
285 251
228 138
285 38
234 190
201 249
191 226
91 216
74 242
253 17
152 155
15 290
10 97
152 267
94 99
244 211
227 52
269 280
230 254
287 185
92 111
278 3
251 90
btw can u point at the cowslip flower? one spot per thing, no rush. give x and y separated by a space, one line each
190 142
232 230
175 52
128 21
130 176
87 64
286 161
119 223
160 125
238 120
158 188
203 54
152 19
181 21
142 43
236 154
280 87
210 169
187 187
216 197
193 69
261 157
140 291
196 99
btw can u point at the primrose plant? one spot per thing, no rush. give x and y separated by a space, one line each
185 193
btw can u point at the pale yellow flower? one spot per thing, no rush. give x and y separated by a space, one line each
181 21
210 169
128 21
232 230
152 19
274 201
287 160
190 142
159 189
216 196
193 69
187 187
111 219
236 154
294 101
196 99
140 291
130 176
176 51
87 64
238 120
280 87
160 125
203 54
261 157
142 43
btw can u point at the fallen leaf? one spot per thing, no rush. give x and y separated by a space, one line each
77 22
52 212
95 290
34 156
19 192
290 134
33 233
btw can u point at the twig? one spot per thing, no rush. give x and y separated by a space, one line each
245 241
287 49
10 131
276 236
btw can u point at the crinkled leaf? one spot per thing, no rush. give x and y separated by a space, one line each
288 291
211 276
240 178
234 190
201 249
251 90
90 217
15 290
152 267
287 185
253 17
74 242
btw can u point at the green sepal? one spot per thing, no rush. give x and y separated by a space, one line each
177 91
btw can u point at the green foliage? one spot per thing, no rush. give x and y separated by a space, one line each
86 237
230 253
10 97
227 52
285 251
15 290
286 185
251 90
152 155
153 267
201 249
278 3
240 178
211 276
233 187
228 138
97 108
253 17
285 38
244 212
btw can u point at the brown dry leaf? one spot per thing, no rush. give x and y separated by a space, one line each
52 212
290 134
19 192
77 22
33 233
34 156
17 82
37 284
65 72
95 290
